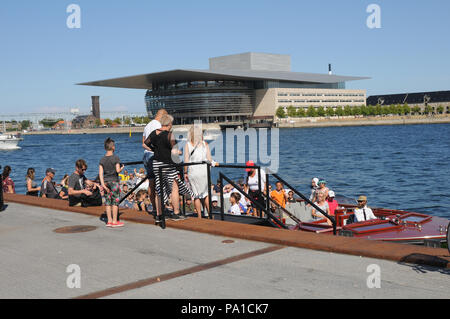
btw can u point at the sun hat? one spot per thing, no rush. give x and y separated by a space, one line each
214 199
362 199
331 194
316 180
322 181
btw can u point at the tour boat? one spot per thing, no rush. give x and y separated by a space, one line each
9 141
391 225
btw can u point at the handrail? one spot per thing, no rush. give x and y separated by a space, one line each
258 205
292 216
331 218
269 214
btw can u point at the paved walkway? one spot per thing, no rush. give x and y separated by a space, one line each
144 261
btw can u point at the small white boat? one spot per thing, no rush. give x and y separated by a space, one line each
9 141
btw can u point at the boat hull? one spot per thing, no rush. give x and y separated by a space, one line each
9 144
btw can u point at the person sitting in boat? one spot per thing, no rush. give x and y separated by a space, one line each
323 188
363 213
236 207
291 198
332 203
314 188
323 205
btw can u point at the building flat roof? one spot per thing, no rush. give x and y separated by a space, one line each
144 81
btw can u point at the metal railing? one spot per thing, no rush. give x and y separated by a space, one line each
331 218
268 200
269 214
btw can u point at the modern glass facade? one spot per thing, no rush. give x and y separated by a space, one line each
211 101
208 101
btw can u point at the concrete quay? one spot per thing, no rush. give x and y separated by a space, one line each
198 259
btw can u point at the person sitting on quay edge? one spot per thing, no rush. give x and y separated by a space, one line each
7 182
48 188
78 194
363 213
32 188
332 203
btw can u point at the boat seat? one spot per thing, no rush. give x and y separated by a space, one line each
300 211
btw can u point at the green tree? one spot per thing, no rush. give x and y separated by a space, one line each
311 111
339 111
49 122
25 124
117 120
145 119
301 112
416 109
137 120
427 110
127 121
347 110
356 110
440 109
321 111
378 110
281 113
108 122
330 111
291 111
98 123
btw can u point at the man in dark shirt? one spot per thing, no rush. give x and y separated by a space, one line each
77 184
48 189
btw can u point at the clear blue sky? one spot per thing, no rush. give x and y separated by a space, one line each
41 59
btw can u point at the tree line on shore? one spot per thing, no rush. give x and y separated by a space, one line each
363 110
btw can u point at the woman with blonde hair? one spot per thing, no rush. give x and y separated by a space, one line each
169 185
197 150
32 188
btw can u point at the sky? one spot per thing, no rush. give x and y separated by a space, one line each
41 59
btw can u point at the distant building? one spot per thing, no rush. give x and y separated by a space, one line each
421 99
96 106
89 121
84 121
239 86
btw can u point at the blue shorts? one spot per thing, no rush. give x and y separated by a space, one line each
148 164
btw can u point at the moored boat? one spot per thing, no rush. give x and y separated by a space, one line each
9 141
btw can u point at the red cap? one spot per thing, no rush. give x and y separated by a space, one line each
249 163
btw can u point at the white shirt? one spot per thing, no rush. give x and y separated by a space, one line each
253 181
235 210
359 214
149 128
